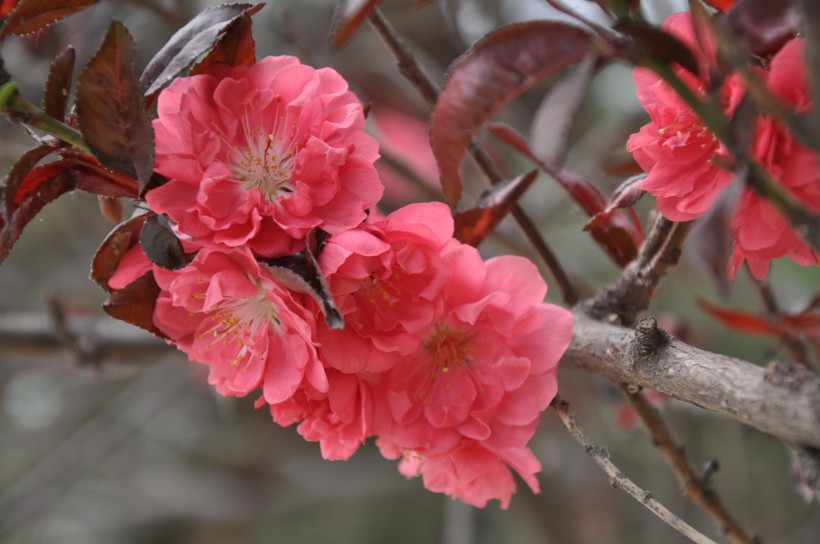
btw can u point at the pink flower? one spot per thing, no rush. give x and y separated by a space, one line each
680 155
257 156
760 231
467 401
685 163
340 419
225 310
386 279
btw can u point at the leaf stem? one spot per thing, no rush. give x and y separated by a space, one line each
19 110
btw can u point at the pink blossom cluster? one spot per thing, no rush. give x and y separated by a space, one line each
687 167
447 359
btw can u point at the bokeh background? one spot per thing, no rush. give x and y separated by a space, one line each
135 448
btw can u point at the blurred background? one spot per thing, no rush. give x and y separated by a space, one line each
109 436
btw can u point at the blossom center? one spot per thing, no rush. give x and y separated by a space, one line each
448 349
686 128
236 320
267 159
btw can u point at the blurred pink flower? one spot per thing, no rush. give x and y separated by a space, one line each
225 310
680 155
685 163
257 156
760 231
467 401
386 279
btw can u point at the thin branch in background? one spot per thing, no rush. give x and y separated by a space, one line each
619 481
697 488
79 351
631 294
794 345
602 31
413 72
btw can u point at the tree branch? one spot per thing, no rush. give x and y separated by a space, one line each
697 488
782 400
619 481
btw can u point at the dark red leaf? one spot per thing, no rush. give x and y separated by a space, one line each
474 224
190 42
44 184
554 117
55 96
135 303
19 171
301 273
116 244
110 108
804 325
621 165
494 71
711 237
347 17
33 15
762 26
625 196
161 245
618 236
235 48
737 320
650 39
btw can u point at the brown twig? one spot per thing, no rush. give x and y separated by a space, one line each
619 481
74 345
695 487
413 72
631 294
796 348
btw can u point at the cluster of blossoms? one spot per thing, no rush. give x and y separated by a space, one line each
686 164
447 359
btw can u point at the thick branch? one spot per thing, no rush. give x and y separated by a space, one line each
782 400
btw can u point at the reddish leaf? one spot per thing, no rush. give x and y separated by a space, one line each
135 303
554 117
55 96
805 325
33 15
6 6
44 184
110 209
110 108
494 71
161 245
649 39
621 165
737 320
617 235
474 224
710 238
722 5
236 47
762 25
347 17
190 42
625 196
116 244
19 171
